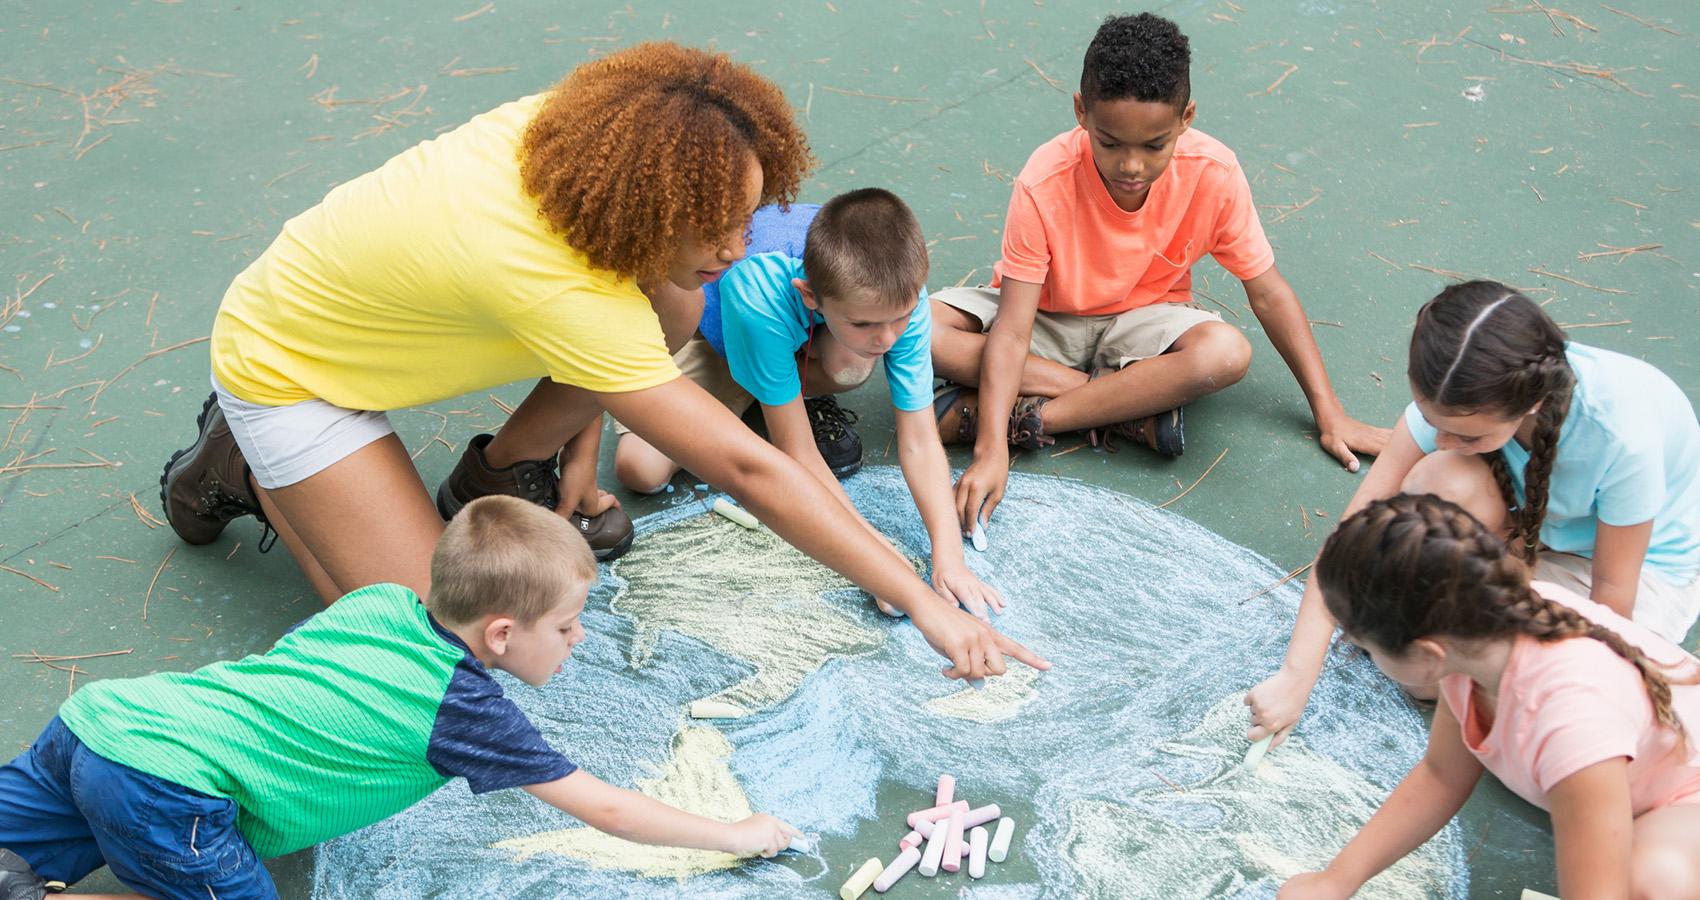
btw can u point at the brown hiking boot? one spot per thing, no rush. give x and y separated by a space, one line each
1027 424
1164 433
534 480
963 402
205 486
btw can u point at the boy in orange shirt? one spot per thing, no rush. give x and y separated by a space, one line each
1088 323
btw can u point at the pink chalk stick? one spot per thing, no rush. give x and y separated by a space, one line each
981 815
946 791
936 813
953 841
912 839
899 867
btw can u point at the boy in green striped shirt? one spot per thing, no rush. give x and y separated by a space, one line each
183 782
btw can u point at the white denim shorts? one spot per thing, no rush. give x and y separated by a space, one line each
1669 610
287 444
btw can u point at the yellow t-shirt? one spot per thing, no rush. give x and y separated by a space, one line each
428 278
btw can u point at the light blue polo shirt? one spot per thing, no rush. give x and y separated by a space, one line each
1629 451
764 323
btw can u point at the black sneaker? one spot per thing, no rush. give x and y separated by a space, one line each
838 442
17 880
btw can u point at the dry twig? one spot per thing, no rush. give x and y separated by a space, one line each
1189 488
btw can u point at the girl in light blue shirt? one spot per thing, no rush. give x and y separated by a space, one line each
1588 461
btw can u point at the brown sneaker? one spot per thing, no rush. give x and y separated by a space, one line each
205 486
1027 424
535 480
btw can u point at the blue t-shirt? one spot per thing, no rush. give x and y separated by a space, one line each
772 230
766 323
1629 451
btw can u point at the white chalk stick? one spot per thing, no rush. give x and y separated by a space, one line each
715 709
861 881
934 853
934 814
981 815
999 850
977 842
946 790
1536 895
952 841
1255 754
737 514
978 536
899 867
912 839
802 843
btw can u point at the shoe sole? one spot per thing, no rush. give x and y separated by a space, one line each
190 451
609 554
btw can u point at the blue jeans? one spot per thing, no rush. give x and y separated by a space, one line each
68 811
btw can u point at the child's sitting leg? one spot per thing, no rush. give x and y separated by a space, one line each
646 470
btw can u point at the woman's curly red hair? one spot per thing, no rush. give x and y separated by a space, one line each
632 153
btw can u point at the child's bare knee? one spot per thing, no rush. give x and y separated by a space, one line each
1663 871
642 472
1220 356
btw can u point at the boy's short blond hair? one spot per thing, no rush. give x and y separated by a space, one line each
505 556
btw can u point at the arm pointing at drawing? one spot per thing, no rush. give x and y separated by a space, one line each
631 816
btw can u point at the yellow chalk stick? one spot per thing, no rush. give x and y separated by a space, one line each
861 881
716 709
735 513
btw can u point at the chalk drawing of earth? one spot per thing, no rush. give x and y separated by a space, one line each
1121 763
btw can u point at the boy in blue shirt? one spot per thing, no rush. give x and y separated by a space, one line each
788 325
182 782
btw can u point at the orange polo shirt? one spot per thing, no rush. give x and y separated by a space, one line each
1093 258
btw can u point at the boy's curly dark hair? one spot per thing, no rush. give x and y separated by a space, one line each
1144 57
631 153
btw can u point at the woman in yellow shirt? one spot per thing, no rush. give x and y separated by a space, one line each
551 238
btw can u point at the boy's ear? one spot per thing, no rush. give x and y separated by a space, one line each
807 293
498 630
1188 114
1079 110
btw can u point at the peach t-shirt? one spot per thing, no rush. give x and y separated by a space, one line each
1092 257
1567 705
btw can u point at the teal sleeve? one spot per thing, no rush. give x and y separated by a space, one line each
761 344
909 362
1632 490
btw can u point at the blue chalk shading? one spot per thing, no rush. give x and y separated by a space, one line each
1145 614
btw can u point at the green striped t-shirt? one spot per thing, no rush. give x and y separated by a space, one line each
355 715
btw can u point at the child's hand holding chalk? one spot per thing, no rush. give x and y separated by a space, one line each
761 835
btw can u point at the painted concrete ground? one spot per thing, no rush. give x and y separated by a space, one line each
149 150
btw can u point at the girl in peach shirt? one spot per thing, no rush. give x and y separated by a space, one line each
1577 709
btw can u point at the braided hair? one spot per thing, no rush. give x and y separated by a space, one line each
1480 346
1416 566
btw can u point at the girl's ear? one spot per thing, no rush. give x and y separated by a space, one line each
1429 654
807 294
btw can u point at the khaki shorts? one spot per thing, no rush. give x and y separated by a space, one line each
698 362
1666 609
1090 342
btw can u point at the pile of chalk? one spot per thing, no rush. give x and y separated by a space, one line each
940 837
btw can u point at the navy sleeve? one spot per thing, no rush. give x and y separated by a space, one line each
482 736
